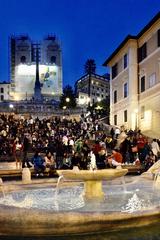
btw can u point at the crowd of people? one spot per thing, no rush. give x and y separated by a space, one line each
62 144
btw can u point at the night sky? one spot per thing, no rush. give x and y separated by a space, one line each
85 28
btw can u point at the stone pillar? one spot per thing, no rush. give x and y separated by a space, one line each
26 176
93 190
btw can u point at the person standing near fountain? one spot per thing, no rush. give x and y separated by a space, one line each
26 145
17 150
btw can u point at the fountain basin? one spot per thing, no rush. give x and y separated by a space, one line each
24 222
31 221
39 223
93 180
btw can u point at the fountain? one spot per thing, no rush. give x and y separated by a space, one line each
92 180
39 209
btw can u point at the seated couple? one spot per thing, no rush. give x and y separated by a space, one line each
40 163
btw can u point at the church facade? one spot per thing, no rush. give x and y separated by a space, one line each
23 68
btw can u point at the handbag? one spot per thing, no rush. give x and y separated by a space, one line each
134 149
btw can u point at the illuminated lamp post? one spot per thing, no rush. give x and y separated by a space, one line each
67 103
67 99
98 109
11 107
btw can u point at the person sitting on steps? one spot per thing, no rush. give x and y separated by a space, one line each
39 163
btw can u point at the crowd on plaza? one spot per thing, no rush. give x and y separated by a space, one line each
56 143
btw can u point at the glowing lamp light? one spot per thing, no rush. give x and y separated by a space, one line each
11 106
82 101
67 99
88 99
98 107
64 107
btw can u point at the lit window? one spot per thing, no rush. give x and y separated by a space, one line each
152 80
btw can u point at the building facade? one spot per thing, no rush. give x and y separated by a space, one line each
23 67
92 88
135 81
4 91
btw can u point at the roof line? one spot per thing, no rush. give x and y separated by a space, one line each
91 74
118 48
153 20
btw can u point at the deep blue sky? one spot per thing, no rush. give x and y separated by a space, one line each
86 28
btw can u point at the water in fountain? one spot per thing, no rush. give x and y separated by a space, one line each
135 197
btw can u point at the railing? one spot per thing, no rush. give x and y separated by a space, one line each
38 108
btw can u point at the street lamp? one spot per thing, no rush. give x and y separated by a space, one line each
11 106
67 99
99 99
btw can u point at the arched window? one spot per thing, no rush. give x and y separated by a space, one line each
23 59
53 59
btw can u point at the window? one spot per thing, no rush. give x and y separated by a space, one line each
125 88
114 70
143 84
152 80
2 97
142 52
53 59
158 38
115 96
125 61
23 59
125 116
115 119
142 112
2 90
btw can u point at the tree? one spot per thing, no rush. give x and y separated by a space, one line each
68 98
101 109
90 66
